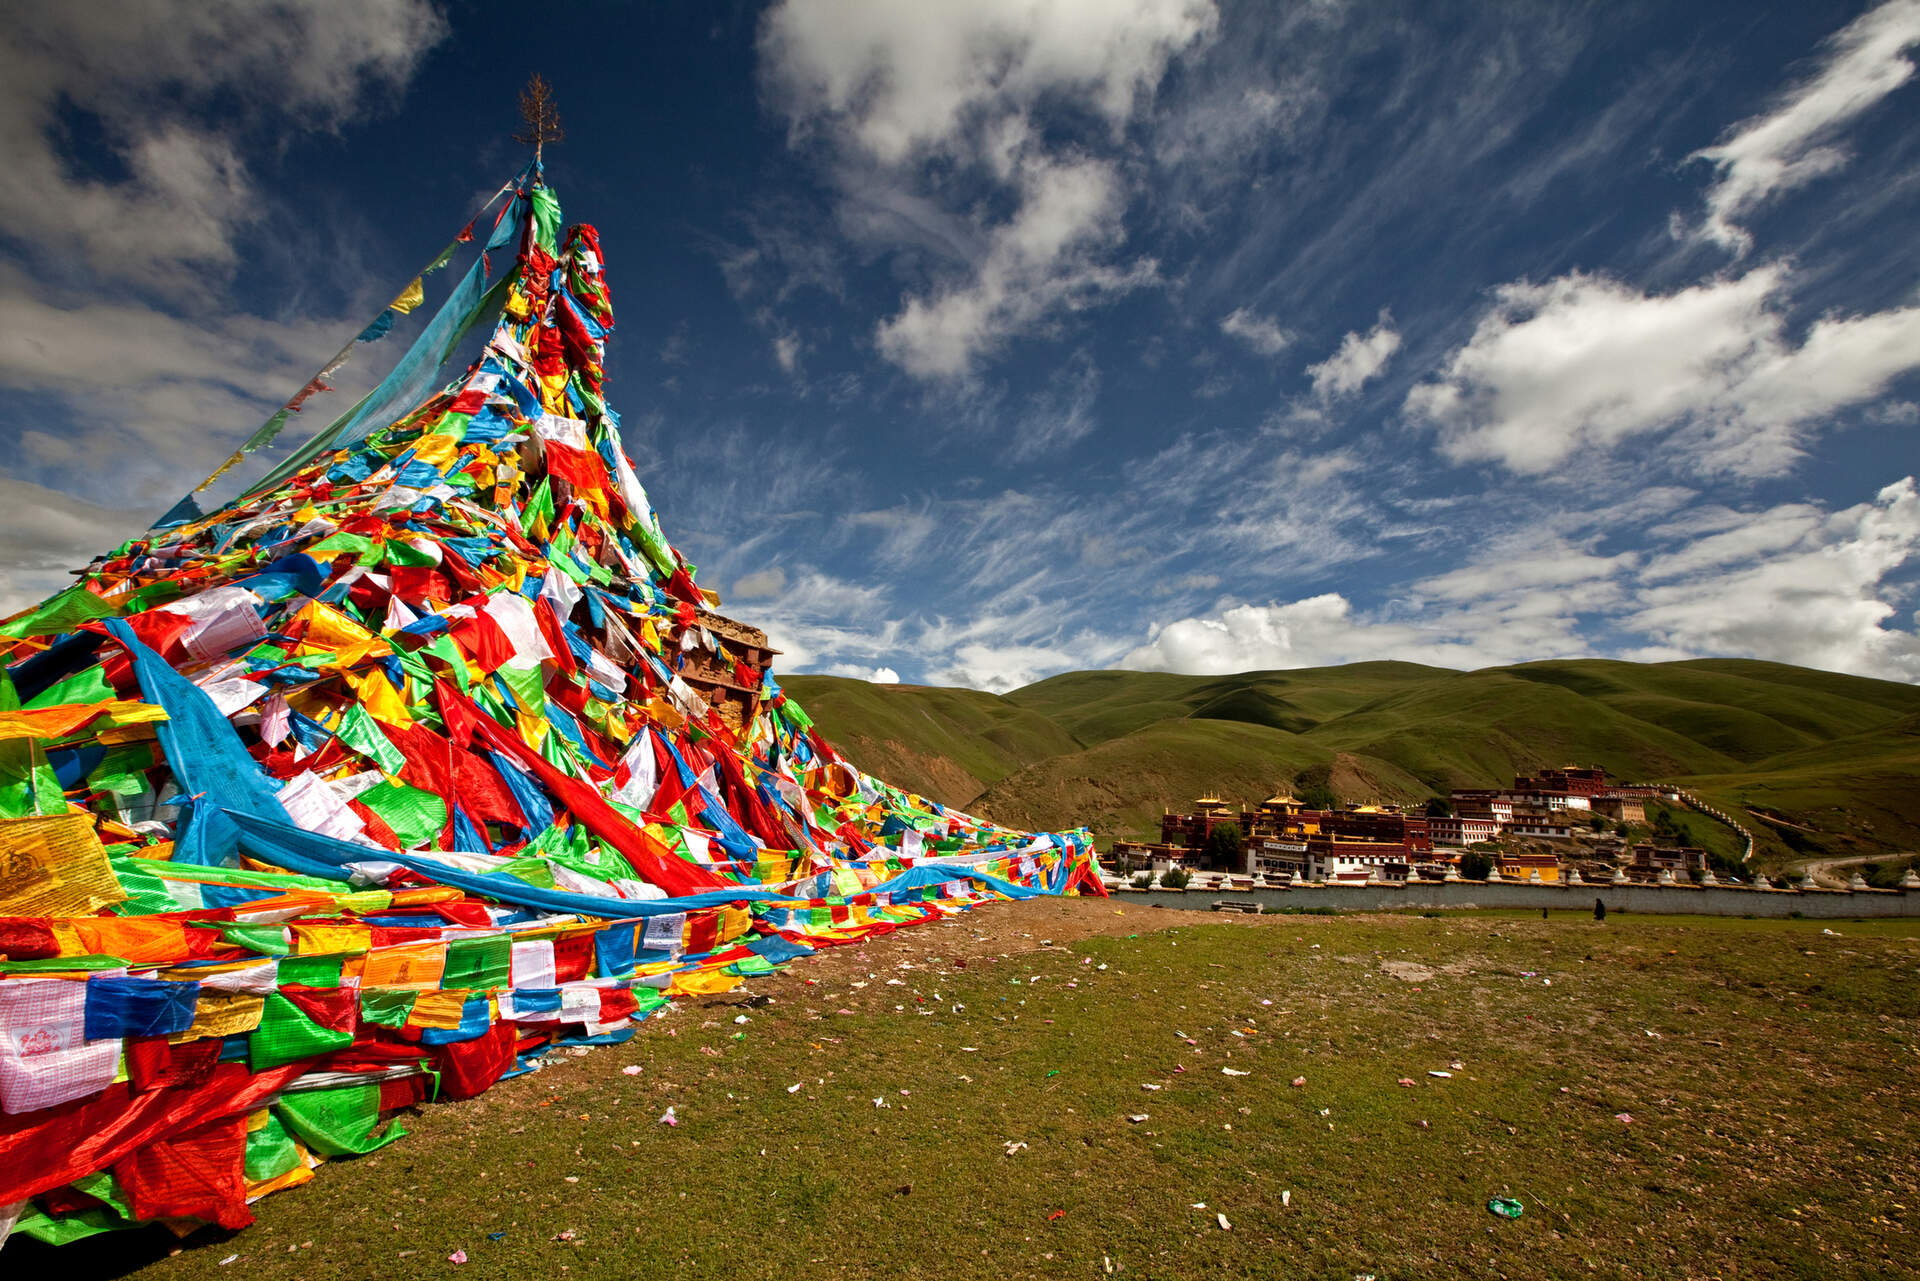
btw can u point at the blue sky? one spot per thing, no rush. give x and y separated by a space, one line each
965 344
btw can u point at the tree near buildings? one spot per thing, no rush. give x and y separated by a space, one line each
1224 845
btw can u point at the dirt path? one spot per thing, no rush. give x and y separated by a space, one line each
1822 870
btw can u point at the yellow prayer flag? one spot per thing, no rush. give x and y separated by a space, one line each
438 1009
436 450
703 983
417 966
54 865
383 702
410 297
222 1014
329 938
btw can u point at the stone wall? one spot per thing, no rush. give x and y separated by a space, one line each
1653 899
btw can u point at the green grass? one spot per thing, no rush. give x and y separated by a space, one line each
948 744
1834 756
1121 787
1769 1068
1102 705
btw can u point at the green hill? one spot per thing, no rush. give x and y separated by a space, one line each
1097 706
1824 763
1120 787
949 744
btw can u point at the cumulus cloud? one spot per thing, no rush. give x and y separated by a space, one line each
1791 583
1360 359
1795 142
923 110
146 72
1262 333
1318 631
1794 586
901 80
1585 362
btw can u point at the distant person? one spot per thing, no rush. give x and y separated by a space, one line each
1599 909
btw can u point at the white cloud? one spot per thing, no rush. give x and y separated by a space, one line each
884 676
1262 333
1061 415
760 584
146 71
1793 144
1360 359
1046 258
1528 563
786 351
901 80
1586 363
1325 630
1797 589
1791 584
923 108
147 402
1000 668
136 402
44 534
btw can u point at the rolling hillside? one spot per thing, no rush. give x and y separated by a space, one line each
949 744
1826 764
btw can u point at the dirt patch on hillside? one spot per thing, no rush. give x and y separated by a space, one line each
930 775
1407 971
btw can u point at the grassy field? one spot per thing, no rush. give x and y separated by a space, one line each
972 1103
1822 763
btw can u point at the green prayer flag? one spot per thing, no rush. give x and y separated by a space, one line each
89 686
271 1151
401 553
387 1006
479 964
265 940
308 971
524 683
545 218
337 1122
416 816
443 648
358 731
358 544
60 613
28 785
287 1035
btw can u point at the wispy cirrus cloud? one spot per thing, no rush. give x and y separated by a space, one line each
1797 141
